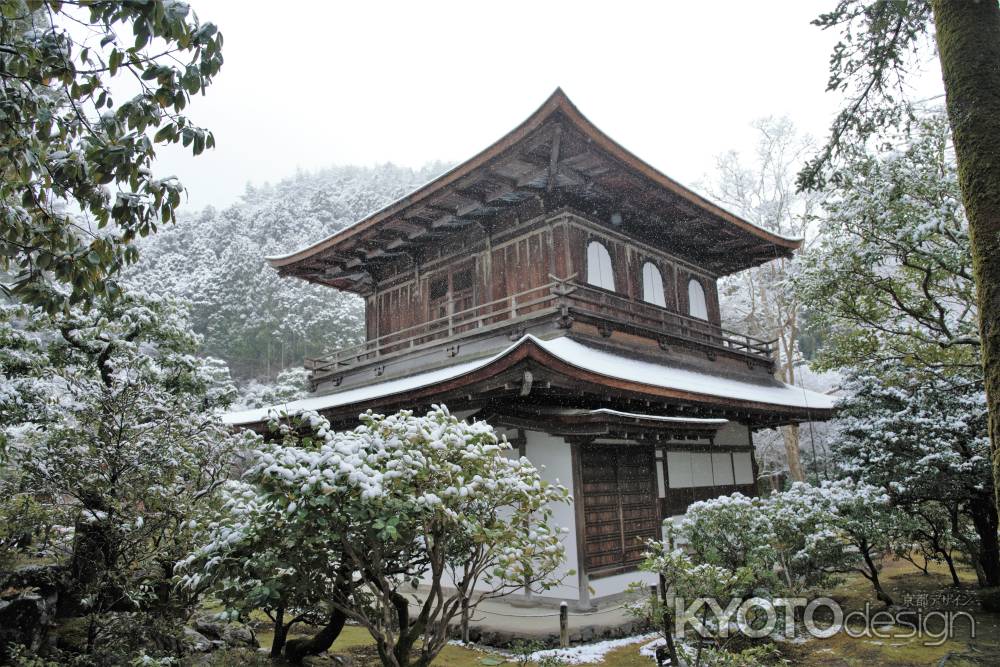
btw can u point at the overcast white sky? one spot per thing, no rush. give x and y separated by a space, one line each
308 84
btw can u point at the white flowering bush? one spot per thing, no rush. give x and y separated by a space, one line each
399 501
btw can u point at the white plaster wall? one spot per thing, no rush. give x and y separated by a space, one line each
733 433
619 583
553 453
744 467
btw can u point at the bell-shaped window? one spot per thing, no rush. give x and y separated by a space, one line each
696 300
652 285
599 270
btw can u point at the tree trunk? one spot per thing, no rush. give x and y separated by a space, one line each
984 519
872 575
968 39
951 568
790 434
280 633
668 622
297 649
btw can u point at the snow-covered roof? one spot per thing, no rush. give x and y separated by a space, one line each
358 394
602 362
660 375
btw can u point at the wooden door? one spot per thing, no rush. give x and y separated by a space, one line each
619 504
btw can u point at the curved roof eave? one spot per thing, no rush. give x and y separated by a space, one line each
583 363
558 101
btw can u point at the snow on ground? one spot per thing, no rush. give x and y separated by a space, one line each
649 650
587 654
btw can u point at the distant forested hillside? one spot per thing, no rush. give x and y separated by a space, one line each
250 318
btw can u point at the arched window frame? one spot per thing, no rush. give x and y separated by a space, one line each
652 285
600 269
697 300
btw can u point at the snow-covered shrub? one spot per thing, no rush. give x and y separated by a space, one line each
714 643
790 542
806 547
291 384
398 501
858 531
923 439
128 448
732 532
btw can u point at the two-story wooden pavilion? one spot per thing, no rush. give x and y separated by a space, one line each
565 291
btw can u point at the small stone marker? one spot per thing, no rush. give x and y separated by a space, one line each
563 624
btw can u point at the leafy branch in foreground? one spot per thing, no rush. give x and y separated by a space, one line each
879 43
76 179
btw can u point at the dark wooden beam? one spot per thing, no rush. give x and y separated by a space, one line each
554 159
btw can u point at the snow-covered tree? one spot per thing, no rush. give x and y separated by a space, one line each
129 454
880 44
927 534
290 384
760 301
400 500
891 276
22 357
256 321
923 440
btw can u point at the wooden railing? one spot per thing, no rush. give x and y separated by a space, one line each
598 302
530 304
560 296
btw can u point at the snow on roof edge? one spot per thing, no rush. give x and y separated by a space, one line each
659 418
575 354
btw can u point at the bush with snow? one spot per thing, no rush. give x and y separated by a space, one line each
399 501
121 451
923 440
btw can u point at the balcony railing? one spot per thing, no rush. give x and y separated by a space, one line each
558 297
596 301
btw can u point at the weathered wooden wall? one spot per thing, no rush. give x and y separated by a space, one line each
515 259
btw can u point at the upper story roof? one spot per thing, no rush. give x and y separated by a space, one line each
560 157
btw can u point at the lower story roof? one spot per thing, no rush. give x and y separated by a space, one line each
572 358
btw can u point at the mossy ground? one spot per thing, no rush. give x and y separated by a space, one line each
900 579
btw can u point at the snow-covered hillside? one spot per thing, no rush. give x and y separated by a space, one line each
252 319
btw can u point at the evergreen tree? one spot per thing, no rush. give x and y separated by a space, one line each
76 179
923 440
249 316
878 41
